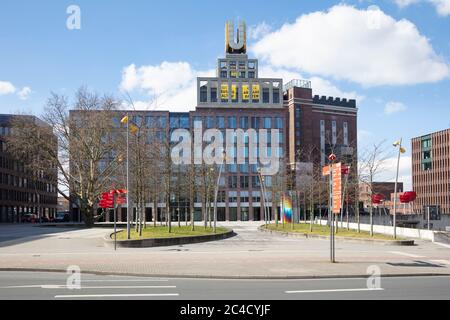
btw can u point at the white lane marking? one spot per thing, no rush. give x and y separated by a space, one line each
334 290
406 254
446 262
442 244
84 288
87 296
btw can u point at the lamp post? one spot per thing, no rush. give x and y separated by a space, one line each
217 190
263 196
397 144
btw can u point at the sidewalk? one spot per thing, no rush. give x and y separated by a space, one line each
251 254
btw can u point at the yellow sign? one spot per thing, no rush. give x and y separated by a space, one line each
224 92
245 92
233 92
255 92
234 74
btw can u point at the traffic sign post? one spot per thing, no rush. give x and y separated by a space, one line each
334 171
113 200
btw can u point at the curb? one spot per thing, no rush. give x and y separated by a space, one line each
165 242
211 277
297 235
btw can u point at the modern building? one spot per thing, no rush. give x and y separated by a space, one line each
237 98
431 172
21 192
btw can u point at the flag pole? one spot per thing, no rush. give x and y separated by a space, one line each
128 180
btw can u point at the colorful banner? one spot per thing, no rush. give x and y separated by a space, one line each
245 92
233 92
287 209
255 92
224 92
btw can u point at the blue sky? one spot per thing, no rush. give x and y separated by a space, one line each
178 40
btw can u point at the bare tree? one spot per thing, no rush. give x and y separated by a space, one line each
371 165
85 157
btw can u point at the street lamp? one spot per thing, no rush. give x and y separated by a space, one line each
401 150
263 196
224 156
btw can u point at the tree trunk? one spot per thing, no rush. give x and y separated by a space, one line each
88 216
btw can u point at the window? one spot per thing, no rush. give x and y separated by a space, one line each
244 168
221 122
244 122
163 121
334 132
209 122
184 122
232 123
244 182
245 197
426 155
174 122
345 133
278 123
276 95
232 168
232 182
203 94
223 74
213 94
426 166
232 196
266 94
255 182
426 143
255 123
251 74
233 214
267 123
245 216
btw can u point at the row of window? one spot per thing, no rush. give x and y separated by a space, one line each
209 122
240 93
20 182
243 196
26 197
244 122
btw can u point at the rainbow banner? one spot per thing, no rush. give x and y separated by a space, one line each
287 209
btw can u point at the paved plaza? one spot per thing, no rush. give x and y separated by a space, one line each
250 254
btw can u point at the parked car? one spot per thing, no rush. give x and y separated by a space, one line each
29 218
62 217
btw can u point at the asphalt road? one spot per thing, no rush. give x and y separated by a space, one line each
53 286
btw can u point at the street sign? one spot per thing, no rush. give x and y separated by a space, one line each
338 171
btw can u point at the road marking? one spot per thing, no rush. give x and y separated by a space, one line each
442 244
334 290
84 288
446 262
117 295
406 254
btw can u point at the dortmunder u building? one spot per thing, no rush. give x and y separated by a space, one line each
237 98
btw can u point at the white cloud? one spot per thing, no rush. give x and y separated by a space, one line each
388 171
170 86
363 46
320 86
394 107
405 3
258 31
24 93
442 7
6 88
